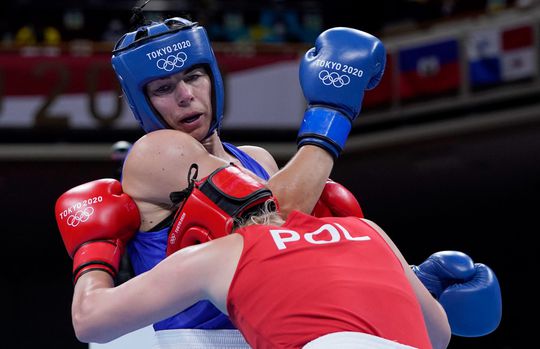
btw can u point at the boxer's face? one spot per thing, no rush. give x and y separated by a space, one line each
184 101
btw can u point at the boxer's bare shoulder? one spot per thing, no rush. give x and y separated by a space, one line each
158 164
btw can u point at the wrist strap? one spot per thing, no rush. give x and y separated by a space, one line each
325 127
97 255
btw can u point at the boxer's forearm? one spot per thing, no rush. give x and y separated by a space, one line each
299 184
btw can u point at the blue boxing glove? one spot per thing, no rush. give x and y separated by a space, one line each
469 292
334 75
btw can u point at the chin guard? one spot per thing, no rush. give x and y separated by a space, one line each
210 207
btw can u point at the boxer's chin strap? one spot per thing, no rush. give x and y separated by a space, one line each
178 196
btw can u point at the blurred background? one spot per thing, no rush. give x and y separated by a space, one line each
445 155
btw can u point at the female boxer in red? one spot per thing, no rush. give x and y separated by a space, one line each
309 281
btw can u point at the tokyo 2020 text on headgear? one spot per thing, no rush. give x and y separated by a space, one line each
158 50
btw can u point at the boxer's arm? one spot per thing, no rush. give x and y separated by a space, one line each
330 111
299 184
434 314
102 312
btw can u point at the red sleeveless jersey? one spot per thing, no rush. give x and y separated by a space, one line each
315 276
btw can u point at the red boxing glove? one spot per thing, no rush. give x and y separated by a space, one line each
337 201
95 220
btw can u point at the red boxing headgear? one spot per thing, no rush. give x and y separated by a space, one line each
211 205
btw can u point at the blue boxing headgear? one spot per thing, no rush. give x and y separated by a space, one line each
159 50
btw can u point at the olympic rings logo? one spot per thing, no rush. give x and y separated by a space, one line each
80 216
172 62
172 240
334 79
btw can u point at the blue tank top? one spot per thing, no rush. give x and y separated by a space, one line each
147 249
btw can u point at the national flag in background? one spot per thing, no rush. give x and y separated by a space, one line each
497 56
430 69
